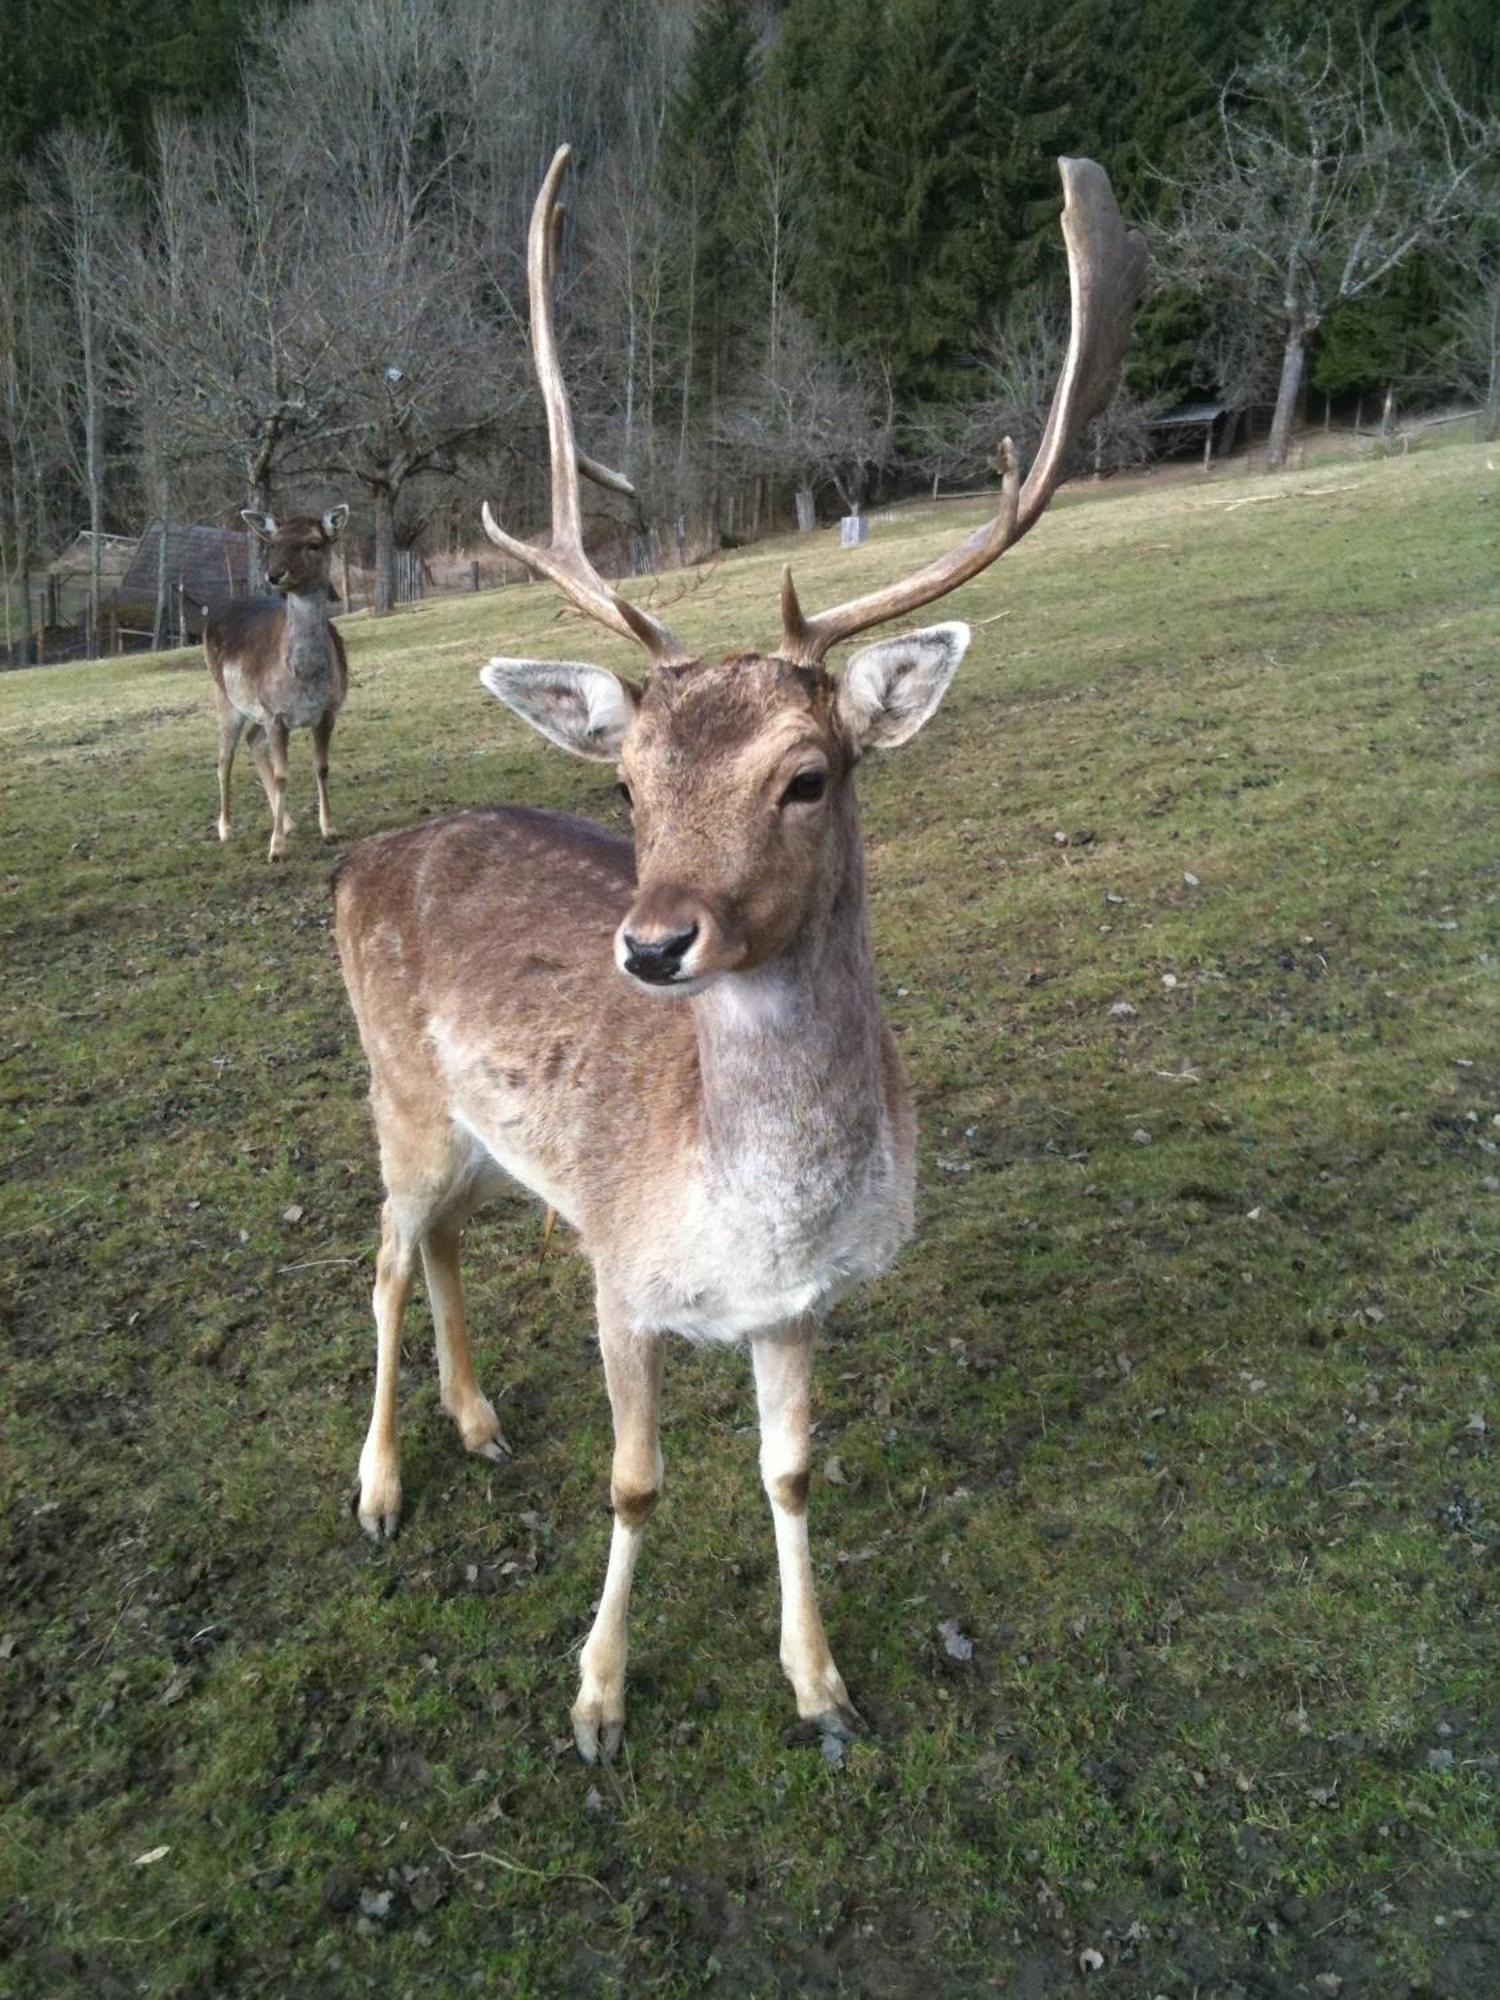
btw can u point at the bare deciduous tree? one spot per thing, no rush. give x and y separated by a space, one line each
1476 341
1023 361
227 362
811 419
81 195
397 95
32 442
1317 187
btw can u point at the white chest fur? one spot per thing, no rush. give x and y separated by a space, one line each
751 1248
794 1189
789 1188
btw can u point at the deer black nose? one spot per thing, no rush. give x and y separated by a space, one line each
658 960
275 576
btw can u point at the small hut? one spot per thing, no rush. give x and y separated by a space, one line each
203 566
1183 419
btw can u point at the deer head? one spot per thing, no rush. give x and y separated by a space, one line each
738 772
298 552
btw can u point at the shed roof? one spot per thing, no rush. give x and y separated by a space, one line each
1202 412
114 556
210 563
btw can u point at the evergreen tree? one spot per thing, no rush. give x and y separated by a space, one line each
1464 37
706 129
1036 103
90 64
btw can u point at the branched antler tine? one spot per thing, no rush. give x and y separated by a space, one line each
1106 270
593 468
1106 277
563 560
541 265
808 639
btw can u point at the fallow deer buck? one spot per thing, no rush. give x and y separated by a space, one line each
279 664
678 1046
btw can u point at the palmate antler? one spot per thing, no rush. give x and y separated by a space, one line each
563 559
1107 274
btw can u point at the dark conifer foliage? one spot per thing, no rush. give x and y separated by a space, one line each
813 243
111 62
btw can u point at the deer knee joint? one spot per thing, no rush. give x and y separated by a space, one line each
632 1504
788 1490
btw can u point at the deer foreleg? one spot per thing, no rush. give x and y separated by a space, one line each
379 1503
322 736
255 743
277 738
783 1378
632 1370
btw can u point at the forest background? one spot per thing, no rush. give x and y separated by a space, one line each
273 256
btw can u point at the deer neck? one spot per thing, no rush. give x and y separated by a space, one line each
791 1055
307 626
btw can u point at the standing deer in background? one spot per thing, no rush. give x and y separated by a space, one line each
678 1046
279 664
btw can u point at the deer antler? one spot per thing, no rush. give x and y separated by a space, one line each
563 559
1106 273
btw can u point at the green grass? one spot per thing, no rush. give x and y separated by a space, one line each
1194 1437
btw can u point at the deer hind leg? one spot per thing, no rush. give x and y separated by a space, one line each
428 1198
322 736
379 1499
277 737
632 1371
231 723
255 743
462 1396
783 1379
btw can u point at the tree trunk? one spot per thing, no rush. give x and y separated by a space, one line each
23 559
1293 359
159 620
259 482
93 449
385 550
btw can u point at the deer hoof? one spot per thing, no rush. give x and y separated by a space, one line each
479 1428
376 1502
842 1721
223 829
598 1740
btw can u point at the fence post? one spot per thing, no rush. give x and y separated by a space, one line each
182 634
474 576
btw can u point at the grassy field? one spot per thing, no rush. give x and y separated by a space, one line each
1182 1408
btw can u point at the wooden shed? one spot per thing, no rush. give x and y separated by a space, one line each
204 566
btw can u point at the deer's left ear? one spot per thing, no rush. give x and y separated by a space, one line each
889 690
333 521
263 524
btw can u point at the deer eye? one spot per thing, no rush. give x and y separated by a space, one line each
624 790
805 789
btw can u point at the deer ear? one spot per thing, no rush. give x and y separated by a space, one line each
587 710
333 521
263 524
889 690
